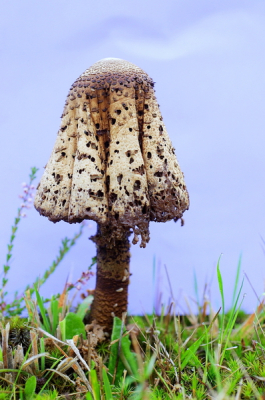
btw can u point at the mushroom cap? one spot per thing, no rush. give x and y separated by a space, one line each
115 67
113 161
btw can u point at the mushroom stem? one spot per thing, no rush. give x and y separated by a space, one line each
111 293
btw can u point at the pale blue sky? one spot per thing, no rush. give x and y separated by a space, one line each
208 61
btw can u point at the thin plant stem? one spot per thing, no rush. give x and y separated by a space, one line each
27 198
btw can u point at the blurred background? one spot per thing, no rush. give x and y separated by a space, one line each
208 61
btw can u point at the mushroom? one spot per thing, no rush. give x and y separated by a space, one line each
113 162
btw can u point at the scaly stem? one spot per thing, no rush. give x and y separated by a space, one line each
111 293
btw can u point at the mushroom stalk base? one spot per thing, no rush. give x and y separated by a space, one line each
111 293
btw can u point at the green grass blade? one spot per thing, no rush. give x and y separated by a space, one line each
196 288
84 307
150 365
191 351
30 387
154 281
49 376
216 372
46 321
238 270
42 350
233 321
126 359
55 315
62 325
221 289
106 385
94 384
72 325
230 323
129 355
89 396
114 362
207 350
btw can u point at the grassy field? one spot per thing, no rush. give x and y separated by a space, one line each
203 356
52 355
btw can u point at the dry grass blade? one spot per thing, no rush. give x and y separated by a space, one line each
36 357
214 323
164 382
51 336
259 378
75 365
32 308
137 350
59 348
218 353
10 360
58 331
18 356
178 331
34 350
63 303
223 367
8 379
160 345
61 375
89 349
70 343
258 337
66 364
184 344
191 316
81 373
119 339
239 390
247 326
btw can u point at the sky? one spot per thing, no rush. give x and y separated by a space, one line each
208 60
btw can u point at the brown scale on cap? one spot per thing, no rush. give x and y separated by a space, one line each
113 161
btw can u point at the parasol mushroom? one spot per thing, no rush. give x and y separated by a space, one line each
113 162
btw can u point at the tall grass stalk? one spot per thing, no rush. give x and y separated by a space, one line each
238 271
221 289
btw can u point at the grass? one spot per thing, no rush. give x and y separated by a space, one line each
51 354
150 357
